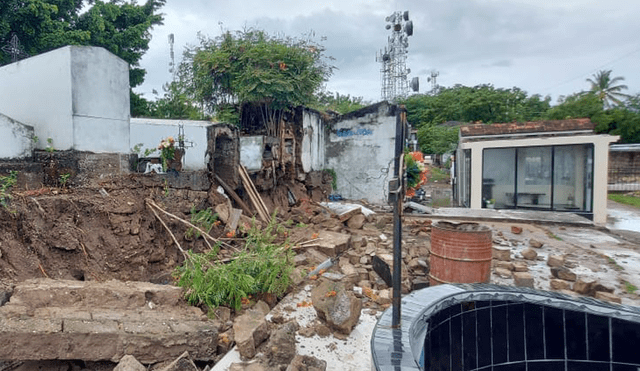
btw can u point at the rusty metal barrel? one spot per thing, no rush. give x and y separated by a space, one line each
460 253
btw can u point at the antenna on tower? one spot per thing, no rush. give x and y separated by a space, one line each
432 80
172 63
393 58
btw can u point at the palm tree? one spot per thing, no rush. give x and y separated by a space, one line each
606 89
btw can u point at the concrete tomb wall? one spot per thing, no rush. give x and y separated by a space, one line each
76 95
17 139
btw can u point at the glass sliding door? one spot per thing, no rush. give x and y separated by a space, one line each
533 186
572 177
498 177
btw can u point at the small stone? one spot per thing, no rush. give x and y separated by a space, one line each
523 279
555 261
384 297
323 331
307 332
363 242
520 267
337 306
556 284
505 265
563 274
529 254
222 313
535 243
584 286
502 254
129 363
600 287
607 296
501 272
307 363
356 221
281 347
516 229
365 259
250 331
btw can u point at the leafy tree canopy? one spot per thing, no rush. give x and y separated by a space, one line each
607 88
482 103
337 102
122 27
251 66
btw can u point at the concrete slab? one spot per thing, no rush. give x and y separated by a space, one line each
102 321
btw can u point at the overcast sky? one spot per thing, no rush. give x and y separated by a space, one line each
546 47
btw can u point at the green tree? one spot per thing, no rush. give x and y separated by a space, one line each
122 27
576 106
607 89
250 66
435 139
337 102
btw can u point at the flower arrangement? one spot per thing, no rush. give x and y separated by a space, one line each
416 172
167 151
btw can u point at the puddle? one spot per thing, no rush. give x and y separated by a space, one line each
623 219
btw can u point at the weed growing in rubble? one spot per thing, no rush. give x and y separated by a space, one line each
7 182
263 266
203 219
631 288
334 178
615 264
64 178
50 148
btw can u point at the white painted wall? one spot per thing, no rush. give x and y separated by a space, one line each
76 95
149 132
600 166
251 150
360 150
313 142
17 140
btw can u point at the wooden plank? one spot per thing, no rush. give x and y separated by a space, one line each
255 198
260 203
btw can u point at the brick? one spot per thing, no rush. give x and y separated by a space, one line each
523 279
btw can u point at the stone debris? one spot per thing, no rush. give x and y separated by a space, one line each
250 330
607 296
529 254
535 243
555 261
502 272
339 308
584 286
129 363
502 253
563 273
182 363
523 279
307 363
516 229
557 284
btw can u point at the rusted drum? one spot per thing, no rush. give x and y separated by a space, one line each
460 253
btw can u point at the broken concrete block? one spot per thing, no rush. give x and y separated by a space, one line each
182 363
501 272
501 253
563 274
520 267
516 229
337 306
351 273
254 366
281 347
556 284
535 243
250 330
523 279
584 286
384 297
529 254
607 296
307 363
555 261
505 265
129 363
332 243
600 287
356 221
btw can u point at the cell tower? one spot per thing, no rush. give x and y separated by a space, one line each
393 57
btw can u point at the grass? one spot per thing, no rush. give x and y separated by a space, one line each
552 235
438 174
626 199
615 264
631 288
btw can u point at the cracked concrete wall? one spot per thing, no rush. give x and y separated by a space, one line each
17 139
360 147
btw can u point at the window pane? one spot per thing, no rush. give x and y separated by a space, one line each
570 174
498 177
534 177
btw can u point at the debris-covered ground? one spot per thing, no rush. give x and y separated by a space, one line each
94 235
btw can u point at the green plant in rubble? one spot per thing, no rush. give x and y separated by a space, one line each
6 182
262 266
631 288
203 219
50 148
64 178
334 178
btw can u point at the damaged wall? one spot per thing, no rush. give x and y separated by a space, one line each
313 141
76 95
17 139
360 147
223 152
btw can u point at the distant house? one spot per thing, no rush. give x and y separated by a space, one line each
556 165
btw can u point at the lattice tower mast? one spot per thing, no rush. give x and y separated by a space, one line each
393 57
